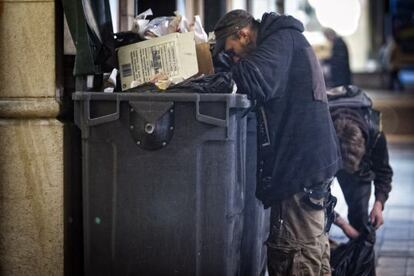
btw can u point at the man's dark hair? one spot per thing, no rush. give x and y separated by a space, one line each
230 24
352 143
329 33
254 25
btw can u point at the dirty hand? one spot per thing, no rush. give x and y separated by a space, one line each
223 62
347 228
350 231
376 215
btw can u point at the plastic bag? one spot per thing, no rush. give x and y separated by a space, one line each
160 26
184 25
215 83
140 22
356 257
109 81
164 25
200 36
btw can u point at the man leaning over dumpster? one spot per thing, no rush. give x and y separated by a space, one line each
273 64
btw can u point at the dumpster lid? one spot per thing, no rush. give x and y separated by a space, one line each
233 100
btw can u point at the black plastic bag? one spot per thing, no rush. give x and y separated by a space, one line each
216 83
356 257
126 38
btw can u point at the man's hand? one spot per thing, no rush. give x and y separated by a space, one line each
347 228
223 62
376 215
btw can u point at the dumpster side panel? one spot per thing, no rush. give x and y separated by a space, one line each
256 218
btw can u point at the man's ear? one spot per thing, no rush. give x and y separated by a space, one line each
244 35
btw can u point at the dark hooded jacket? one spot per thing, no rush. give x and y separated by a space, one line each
375 164
355 105
297 144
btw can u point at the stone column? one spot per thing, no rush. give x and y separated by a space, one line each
31 141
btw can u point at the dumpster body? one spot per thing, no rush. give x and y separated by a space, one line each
164 182
256 219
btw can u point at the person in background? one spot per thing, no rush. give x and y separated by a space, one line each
392 60
365 156
298 155
337 67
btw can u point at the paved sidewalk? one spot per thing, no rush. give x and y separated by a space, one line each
395 239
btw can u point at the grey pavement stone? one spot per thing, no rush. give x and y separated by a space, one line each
395 242
397 233
392 245
410 267
388 266
401 214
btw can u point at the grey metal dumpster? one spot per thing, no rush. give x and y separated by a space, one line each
163 182
256 219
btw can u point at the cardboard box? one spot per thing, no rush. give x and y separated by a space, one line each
204 59
173 54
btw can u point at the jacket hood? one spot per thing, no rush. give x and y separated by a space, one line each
272 22
348 96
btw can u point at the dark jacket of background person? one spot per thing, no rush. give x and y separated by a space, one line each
297 144
375 163
338 64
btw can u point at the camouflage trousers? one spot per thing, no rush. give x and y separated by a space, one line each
297 243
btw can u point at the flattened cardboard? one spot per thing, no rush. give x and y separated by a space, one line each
173 55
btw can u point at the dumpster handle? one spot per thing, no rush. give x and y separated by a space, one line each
210 119
99 120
